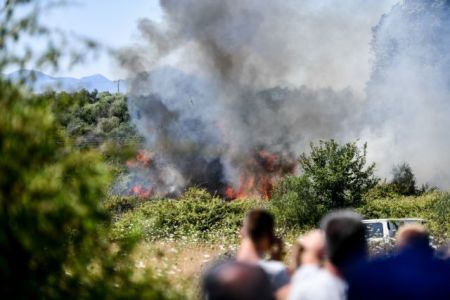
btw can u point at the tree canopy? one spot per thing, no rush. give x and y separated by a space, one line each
339 174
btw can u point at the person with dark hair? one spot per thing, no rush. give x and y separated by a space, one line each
412 272
259 241
234 280
343 242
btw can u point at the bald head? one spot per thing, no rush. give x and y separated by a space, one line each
236 281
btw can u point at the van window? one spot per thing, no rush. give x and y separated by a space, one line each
374 230
393 227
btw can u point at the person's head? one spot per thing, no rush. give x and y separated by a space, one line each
345 242
412 236
259 227
308 249
236 281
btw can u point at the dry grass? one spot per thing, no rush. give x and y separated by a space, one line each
182 262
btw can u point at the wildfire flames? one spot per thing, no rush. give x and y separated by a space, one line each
142 160
261 175
140 191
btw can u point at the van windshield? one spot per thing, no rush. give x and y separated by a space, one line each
374 230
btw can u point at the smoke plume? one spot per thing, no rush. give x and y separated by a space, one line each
252 83
408 95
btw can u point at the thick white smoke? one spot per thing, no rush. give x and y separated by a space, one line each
205 117
408 95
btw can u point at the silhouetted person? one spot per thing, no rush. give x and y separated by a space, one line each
259 241
236 281
345 247
412 272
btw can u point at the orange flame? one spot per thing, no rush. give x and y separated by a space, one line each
140 191
259 179
142 159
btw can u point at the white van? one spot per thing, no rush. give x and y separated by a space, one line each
380 233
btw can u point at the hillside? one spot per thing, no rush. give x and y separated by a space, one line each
44 82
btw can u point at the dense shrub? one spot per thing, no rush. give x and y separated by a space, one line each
196 215
434 207
440 217
400 207
294 203
382 190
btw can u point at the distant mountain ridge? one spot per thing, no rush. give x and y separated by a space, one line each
44 82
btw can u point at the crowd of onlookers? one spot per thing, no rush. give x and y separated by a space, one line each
329 263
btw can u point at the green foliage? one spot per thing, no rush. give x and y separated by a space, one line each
440 224
97 121
433 207
52 223
382 190
121 204
294 203
404 181
338 174
400 207
196 215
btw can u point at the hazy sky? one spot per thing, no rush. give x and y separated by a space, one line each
112 23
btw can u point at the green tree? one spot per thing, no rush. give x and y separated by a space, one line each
338 174
404 181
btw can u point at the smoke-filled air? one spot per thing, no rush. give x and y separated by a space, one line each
228 93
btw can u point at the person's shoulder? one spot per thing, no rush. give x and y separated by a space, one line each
313 282
272 266
304 272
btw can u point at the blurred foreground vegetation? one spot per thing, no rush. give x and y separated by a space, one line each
53 226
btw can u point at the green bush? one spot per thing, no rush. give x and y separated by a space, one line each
440 224
294 203
434 207
53 227
400 207
196 215
382 190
